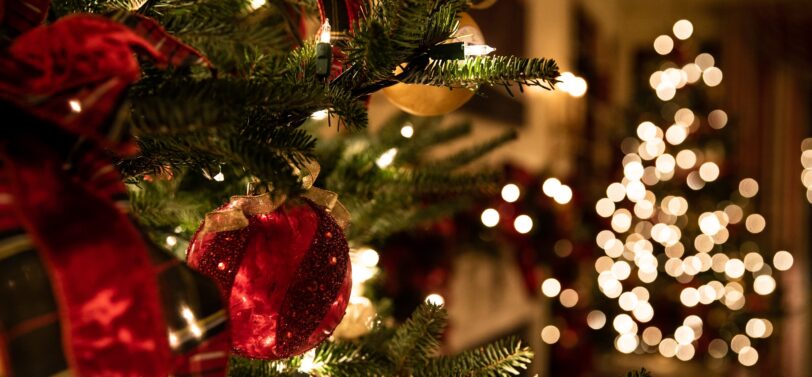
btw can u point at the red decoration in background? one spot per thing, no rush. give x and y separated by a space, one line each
286 275
61 192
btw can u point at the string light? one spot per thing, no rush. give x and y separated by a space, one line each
523 224
256 4
435 299
490 217
683 29
386 158
319 115
510 193
407 131
75 105
550 334
477 50
663 45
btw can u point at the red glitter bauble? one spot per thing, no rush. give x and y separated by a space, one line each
287 276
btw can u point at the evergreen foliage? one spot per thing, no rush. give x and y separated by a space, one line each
410 350
246 120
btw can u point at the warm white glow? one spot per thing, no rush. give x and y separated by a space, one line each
308 363
551 186
704 61
734 268
490 217
709 171
435 299
685 352
256 4
477 50
568 298
628 301
663 44
616 192
666 91
596 319
756 328
764 285
75 105
563 195
368 257
712 76
386 158
755 223
686 159
407 131
605 207
623 324
550 287
171 241
689 297
717 119
668 347
550 334
676 134
717 348
748 187
748 356
523 224
219 177
683 29
684 335
739 342
644 312
626 343
319 115
326 30
692 72
510 193
782 260
652 336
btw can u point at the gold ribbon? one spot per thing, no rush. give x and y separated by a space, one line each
235 215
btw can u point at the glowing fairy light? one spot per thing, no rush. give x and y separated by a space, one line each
523 224
477 50
435 299
683 29
256 4
550 287
510 193
386 158
596 319
407 131
663 44
550 334
75 105
319 115
490 217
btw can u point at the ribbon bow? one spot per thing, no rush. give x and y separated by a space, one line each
235 214
61 86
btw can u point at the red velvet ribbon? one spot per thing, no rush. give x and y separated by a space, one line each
71 75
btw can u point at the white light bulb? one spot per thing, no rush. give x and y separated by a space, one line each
324 37
386 158
478 50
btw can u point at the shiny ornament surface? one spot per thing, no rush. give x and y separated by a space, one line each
287 276
427 100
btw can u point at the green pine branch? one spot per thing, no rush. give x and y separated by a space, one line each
502 358
408 350
489 70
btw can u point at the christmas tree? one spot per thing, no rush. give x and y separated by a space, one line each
220 104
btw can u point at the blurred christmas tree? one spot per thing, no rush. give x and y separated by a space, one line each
229 115
678 209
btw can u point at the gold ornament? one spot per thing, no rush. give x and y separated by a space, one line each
482 4
427 100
